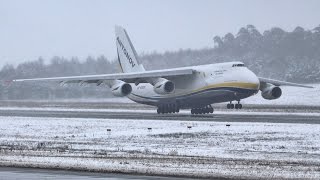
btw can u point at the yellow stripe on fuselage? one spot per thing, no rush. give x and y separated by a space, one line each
250 86
242 85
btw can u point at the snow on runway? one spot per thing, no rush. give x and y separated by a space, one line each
198 149
153 111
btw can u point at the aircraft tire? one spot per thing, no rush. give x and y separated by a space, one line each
205 110
169 108
177 109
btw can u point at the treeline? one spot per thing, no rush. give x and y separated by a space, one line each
292 56
275 53
58 66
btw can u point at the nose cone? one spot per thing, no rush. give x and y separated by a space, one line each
247 79
253 79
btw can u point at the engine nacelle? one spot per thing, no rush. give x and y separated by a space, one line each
121 89
164 86
270 92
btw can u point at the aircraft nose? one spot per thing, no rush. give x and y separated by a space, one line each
254 80
249 78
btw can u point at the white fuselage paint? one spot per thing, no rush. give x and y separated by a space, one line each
213 83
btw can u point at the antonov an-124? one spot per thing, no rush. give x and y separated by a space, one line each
170 90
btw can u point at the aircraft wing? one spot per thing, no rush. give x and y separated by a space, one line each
126 77
281 83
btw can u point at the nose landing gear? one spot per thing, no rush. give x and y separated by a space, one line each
234 106
230 106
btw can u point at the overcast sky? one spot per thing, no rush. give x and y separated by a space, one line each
33 28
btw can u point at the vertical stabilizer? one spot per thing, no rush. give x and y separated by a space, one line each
127 55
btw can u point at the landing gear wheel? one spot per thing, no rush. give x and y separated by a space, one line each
239 106
230 105
234 106
204 110
168 108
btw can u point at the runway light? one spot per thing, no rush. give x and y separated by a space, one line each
109 131
149 129
189 127
228 125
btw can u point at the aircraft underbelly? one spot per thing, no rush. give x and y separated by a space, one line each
215 96
196 99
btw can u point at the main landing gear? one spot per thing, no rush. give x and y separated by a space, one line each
205 110
234 106
168 108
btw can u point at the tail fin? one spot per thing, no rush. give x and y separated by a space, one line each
127 55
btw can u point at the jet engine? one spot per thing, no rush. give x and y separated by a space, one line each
121 89
270 92
163 86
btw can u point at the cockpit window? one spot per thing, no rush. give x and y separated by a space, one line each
238 65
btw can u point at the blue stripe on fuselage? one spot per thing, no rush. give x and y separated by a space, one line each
233 89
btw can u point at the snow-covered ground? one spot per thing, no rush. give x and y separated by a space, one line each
153 111
198 149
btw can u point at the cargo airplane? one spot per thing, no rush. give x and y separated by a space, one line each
170 90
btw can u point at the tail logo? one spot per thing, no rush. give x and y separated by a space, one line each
126 52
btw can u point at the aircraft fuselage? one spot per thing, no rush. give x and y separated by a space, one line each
213 83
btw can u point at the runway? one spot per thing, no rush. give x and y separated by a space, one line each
10 173
274 141
220 116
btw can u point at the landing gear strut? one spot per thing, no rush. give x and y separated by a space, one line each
236 106
205 110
